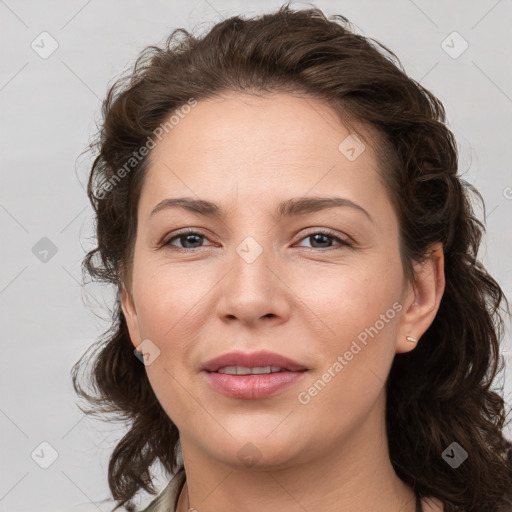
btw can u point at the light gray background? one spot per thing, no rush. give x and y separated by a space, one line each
48 112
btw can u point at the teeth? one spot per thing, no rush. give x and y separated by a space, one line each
243 370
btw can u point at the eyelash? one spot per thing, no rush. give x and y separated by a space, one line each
327 232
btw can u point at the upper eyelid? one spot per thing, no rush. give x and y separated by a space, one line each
186 231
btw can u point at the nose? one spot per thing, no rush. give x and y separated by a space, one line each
253 290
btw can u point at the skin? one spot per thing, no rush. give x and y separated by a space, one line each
303 298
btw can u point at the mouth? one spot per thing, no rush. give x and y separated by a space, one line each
255 363
258 370
252 386
252 376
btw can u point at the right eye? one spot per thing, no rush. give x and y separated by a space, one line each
186 238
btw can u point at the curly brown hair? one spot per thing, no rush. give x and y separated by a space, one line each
437 393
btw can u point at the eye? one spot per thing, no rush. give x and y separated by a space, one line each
322 237
188 238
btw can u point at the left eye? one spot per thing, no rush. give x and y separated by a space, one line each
317 237
320 237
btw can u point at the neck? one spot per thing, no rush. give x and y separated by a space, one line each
355 476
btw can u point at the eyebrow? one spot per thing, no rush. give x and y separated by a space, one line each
289 208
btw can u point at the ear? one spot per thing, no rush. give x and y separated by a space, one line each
130 314
422 298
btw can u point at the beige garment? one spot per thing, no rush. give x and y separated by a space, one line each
167 500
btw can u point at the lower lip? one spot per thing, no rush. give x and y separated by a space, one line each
252 387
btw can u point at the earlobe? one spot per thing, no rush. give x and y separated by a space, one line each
130 314
425 295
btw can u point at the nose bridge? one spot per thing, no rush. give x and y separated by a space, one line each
250 262
253 240
251 290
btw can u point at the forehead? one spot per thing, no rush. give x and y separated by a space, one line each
255 126
255 146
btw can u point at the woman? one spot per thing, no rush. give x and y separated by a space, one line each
279 209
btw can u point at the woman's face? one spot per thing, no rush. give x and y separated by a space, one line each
249 280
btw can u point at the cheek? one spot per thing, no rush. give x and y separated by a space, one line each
349 300
356 359
169 317
357 315
168 301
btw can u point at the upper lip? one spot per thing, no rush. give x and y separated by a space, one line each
251 360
